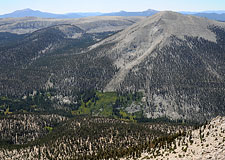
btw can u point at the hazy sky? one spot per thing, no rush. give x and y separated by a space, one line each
66 6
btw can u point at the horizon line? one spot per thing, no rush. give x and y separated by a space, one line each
113 11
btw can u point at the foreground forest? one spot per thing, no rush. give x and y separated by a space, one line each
81 137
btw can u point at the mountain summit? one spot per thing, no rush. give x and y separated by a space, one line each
177 60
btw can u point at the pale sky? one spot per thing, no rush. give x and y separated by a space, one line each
68 6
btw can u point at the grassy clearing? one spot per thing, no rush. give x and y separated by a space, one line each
108 104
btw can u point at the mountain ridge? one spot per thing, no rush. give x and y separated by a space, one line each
89 24
146 42
214 15
148 12
36 13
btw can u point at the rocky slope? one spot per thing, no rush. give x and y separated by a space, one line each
207 142
137 42
176 60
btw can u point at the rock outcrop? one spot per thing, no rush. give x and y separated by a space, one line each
207 142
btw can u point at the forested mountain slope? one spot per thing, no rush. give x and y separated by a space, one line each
177 60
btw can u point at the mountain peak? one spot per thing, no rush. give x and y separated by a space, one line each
173 23
170 16
27 9
151 10
140 40
166 24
